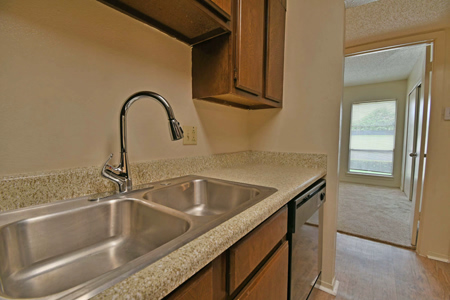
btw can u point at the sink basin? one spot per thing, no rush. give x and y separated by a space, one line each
203 197
75 248
45 255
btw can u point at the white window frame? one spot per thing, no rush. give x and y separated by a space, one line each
350 140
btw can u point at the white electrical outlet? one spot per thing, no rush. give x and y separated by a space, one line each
447 114
190 135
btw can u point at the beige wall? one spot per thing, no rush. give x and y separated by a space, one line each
379 91
309 120
444 215
66 67
434 236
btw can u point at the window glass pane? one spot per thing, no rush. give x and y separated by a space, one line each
372 137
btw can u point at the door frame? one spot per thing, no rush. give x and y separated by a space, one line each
419 168
436 89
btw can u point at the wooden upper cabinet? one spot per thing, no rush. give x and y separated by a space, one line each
225 5
238 45
274 65
250 45
191 21
244 68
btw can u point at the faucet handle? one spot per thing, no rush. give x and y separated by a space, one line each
108 169
116 175
106 165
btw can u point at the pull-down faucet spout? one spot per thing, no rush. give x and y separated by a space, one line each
121 174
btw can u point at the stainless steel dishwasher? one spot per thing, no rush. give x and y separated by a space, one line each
304 241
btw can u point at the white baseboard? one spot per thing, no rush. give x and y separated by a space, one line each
438 257
328 288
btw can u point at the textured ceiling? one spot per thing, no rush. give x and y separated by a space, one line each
381 66
387 18
354 3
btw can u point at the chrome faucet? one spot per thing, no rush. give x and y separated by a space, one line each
121 174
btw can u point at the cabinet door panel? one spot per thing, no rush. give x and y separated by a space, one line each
224 4
251 250
250 45
271 282
276 22
199 287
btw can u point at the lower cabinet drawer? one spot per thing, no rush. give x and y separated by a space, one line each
271 281
199 287
209 283
251 250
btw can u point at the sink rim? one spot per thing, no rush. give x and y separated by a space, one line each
198 225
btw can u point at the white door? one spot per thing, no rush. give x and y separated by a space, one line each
411 141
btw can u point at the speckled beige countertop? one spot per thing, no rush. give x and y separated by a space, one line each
163 276
290 173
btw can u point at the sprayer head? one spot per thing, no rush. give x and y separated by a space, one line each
176 132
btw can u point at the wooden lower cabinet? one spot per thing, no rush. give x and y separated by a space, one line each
208 284
271 281
198 287
256 267
247 254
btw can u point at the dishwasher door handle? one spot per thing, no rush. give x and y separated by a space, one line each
310 193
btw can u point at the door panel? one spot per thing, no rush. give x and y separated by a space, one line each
250 46
276 20
411 137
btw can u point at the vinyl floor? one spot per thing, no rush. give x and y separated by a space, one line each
368 270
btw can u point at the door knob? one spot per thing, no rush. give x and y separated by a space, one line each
414 154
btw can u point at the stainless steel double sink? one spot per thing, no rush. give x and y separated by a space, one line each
79 247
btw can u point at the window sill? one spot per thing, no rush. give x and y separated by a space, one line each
385 177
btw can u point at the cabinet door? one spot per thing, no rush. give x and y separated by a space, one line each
199 287
276 23
251 250
224 4
271 282
250 45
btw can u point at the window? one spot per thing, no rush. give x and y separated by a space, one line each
372 138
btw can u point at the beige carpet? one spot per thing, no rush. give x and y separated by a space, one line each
375 212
